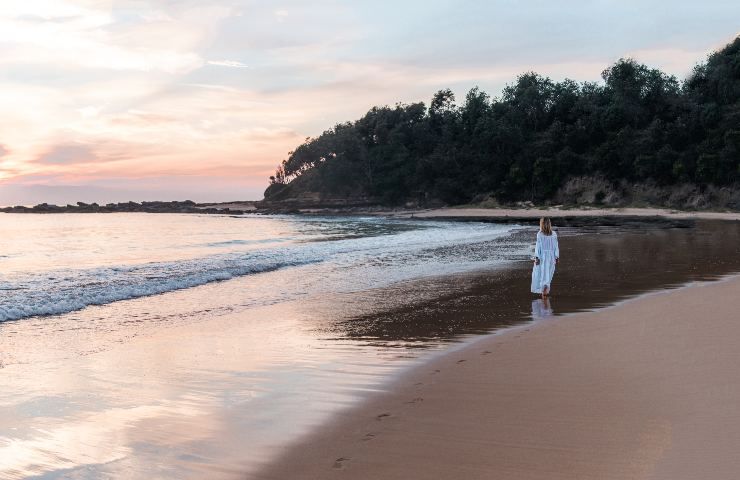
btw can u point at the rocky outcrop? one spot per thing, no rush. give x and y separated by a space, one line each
186 206
315 200
597 190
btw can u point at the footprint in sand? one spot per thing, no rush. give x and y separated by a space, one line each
487 352
368 437
382 416
416 400
340 462
419 384
436 371
460 361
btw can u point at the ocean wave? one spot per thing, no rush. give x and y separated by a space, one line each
62 291
55 296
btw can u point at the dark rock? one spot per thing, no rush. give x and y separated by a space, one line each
187 206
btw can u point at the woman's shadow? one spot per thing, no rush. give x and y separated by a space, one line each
542 308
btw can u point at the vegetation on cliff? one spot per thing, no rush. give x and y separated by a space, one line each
638 126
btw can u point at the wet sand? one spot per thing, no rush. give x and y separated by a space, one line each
643 390
639 390
507 213
599 267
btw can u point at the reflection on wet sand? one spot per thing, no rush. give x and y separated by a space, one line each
217 395
542 308
208 398
596 269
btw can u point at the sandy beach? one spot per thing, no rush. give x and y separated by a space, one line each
556 212
503 213
641 390
435 241
228 378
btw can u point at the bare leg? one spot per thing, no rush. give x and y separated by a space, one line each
545 291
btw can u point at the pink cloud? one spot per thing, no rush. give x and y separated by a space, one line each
67 155
88 97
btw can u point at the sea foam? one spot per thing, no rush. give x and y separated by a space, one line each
59 291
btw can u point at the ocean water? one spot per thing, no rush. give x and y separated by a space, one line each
55 264
187 346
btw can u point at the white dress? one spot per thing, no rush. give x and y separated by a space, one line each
547 251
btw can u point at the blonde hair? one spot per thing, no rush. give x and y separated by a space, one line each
546 225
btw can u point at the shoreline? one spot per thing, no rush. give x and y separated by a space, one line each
574 214
634 390
509 213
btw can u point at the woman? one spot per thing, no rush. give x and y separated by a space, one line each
546 254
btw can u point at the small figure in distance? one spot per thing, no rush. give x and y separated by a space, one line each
546 256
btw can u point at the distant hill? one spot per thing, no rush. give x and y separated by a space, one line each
640 136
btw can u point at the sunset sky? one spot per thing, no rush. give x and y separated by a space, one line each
175 99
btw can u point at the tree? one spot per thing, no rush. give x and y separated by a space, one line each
639 124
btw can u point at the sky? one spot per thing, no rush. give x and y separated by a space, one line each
193 99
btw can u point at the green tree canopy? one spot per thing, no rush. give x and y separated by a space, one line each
638 124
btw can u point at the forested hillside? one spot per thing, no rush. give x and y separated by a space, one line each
540 141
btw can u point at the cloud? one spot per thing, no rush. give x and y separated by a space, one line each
208 86
66 33
46 19
142 118
227 63
89 111
100 91
261 132
67 154
281 14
